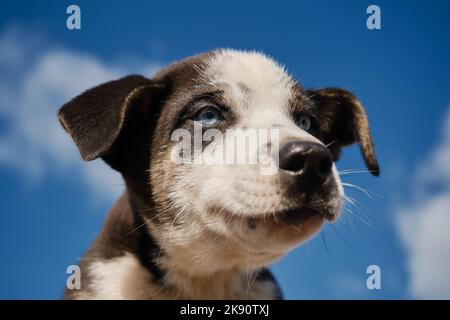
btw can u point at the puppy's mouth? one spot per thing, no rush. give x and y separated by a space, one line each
291 216
296 216
301 214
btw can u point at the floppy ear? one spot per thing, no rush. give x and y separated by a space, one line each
97 117
343 122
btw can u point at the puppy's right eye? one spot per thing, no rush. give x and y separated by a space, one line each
304 122
208 116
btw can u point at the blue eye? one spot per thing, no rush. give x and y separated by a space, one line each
304 122
207 116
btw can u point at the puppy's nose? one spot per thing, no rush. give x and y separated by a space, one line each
310 161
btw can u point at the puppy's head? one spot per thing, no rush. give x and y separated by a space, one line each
233 160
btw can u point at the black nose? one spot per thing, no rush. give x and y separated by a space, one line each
310 161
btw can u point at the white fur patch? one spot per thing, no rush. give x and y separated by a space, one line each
256 84
125 278
119 278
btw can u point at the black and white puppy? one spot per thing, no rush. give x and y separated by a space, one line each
196 230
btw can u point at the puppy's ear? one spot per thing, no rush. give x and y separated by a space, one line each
343 122
96 118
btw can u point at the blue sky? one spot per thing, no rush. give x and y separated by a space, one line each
53 205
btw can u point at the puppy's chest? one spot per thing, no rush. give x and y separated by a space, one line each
125 278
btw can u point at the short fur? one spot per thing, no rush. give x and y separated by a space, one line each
196 231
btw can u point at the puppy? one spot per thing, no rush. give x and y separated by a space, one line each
190 229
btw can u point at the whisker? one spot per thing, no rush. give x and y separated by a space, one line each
342 237
347 221
358 188
332 142
361 212
140 226
357 217
364 210
354 171
324 240
169 235
319 92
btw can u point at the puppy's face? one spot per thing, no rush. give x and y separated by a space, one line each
234 157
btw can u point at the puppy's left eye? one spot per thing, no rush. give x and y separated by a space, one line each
304 122
208 116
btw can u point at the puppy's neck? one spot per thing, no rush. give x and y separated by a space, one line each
220 285
177 273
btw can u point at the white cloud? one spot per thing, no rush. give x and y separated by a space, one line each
424 225
34 83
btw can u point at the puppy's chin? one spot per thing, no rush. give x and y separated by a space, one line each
279 232
264 238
